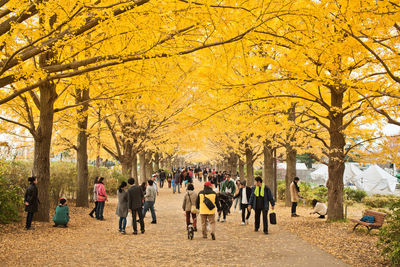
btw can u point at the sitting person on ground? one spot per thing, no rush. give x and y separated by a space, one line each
61 217
319 208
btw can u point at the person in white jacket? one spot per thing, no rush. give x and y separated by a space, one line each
319 208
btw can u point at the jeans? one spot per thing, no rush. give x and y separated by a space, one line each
149 205
134 221
100 209
122 223
175 186
257 219
29 218
244 208
236 202
294 206
94 210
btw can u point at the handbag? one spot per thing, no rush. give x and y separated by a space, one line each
208 203
272 217
193 208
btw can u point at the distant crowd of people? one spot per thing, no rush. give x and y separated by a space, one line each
221 191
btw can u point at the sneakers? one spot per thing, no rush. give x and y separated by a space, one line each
142 231
154 222
91 215
134 233
213 236
243 223
123 232
223 220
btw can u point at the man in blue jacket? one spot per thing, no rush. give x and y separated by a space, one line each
260 198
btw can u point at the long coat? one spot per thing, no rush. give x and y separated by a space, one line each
135 197
31 196
189 200
294 195
122 207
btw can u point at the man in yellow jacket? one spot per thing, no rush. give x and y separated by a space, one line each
206 202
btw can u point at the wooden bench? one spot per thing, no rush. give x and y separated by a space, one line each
379 218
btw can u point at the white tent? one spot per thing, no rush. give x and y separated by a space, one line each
320 176
375 180
299 166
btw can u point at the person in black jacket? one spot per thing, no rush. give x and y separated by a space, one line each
260 199
135 201
244 199
31 201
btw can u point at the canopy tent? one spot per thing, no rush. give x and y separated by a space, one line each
320 176
299 166
375 180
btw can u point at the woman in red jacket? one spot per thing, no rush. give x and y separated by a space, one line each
101 199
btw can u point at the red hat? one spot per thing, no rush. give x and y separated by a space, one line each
207 184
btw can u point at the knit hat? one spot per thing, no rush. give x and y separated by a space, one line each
207 184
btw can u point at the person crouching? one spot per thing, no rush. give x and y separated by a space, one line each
319 208
61 217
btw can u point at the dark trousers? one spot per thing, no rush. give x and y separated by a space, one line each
188 214
257 219
29 218
94 210
100 209
161 183
137 211
244 208
294 206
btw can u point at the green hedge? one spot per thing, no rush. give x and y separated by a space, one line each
380 201
10 201
389 235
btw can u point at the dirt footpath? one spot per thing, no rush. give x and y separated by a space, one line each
88 242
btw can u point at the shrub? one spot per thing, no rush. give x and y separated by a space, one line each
380 201
10 201
281 188
258 173
389 235
356 195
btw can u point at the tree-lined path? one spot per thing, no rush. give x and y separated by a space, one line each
88 242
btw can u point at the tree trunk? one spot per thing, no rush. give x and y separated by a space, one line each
233 164
41 162
156 161
135 166
81 150
268 167
336 156
142 161
126 164
290 171
149 164
249 166
241 170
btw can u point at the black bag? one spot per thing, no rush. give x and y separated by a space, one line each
208 203
272 218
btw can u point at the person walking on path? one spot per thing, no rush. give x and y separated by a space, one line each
31 201
101 199
228 187
237 191
135 200
162 176
122 207
96 180
294 195
61 217
189 201
169 179
149 200
244 199
177 182
260 199
206 202
155 186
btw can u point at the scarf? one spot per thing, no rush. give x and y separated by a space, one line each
257 191
297 187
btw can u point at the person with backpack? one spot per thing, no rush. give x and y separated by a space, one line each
207 200
260 199
122 207
61 216
189 203
101 199
31 201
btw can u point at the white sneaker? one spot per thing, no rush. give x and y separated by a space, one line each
243 223
223 220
